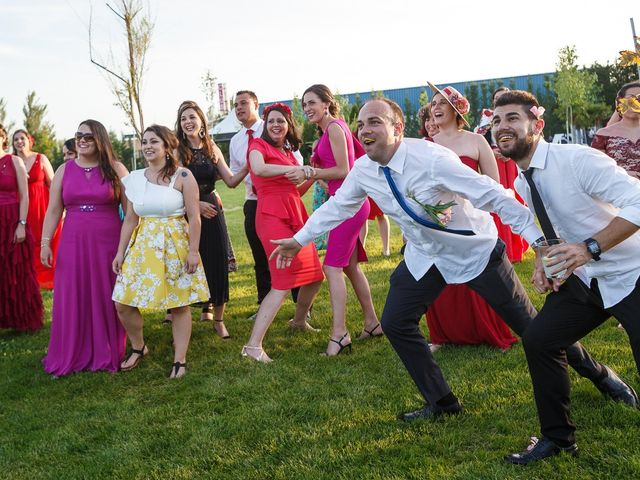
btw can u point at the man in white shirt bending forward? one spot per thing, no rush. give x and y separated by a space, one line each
466 251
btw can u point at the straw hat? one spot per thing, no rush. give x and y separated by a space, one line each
459 103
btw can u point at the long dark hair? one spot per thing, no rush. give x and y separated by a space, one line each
170 143
292 141
104 150
184 147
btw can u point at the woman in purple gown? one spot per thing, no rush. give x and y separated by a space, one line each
85 331
333 157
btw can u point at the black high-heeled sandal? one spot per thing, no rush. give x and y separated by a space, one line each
342 347
227 336
370 333
134 351
176 368
207 313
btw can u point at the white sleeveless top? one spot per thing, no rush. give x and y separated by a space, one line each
151 200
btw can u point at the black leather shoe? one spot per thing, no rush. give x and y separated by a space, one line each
539 450
430 412
613 386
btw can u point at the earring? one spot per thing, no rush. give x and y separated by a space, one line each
166 157
201 133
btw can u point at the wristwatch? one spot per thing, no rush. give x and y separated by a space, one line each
22 222
594 248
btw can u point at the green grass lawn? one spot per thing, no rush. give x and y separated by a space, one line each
303 416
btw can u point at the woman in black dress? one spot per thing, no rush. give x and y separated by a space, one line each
201 155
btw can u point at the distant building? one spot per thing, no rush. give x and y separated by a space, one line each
477 91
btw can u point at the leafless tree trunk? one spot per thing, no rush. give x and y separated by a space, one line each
126 77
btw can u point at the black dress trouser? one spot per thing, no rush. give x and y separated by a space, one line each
564 319
498 284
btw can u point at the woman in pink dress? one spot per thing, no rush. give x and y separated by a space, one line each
621 140
40 173
459 315
20 300
332 159
86 333
280 214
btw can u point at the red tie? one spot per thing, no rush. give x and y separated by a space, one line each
250 135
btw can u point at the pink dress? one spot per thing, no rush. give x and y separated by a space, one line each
345 238
86 333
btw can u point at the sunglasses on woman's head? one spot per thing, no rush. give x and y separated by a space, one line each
87 137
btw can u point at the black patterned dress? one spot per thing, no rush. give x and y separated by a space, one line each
214 248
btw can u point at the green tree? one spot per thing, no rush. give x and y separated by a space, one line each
8 126
39 127
123 150
424 97
412 122
610 77
576 91
474 104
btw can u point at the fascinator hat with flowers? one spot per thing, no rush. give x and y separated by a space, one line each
459 103
275 106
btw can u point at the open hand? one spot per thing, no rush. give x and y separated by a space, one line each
284 253
208 210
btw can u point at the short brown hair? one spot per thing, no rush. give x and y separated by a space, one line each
252 95
398 115
519 97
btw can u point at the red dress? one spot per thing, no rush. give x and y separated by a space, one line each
460 316
280 213
20 300
38 203
516 245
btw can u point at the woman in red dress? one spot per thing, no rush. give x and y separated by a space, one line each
508 172
20 300
280 214
40 174
459 315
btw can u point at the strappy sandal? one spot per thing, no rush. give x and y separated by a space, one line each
134 351
307 327
370 333
175 369
220 324
261 358
339 343
207 313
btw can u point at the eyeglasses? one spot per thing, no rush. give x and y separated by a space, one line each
87 137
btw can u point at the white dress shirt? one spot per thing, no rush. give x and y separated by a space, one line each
238 147
583 190
433 174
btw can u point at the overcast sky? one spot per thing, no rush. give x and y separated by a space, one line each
279 47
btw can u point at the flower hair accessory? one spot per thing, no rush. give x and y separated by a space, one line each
280 106
537 112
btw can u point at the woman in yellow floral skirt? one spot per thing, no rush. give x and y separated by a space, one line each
158 263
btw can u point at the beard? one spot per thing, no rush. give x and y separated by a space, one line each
520 148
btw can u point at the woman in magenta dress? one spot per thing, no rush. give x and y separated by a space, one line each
280 214
459 315
20 300
40 173
333 158
621 140
86 333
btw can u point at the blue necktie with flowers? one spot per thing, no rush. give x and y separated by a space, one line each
412 214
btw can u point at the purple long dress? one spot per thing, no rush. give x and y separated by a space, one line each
86 333
345 238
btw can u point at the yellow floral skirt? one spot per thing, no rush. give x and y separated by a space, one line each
153 274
